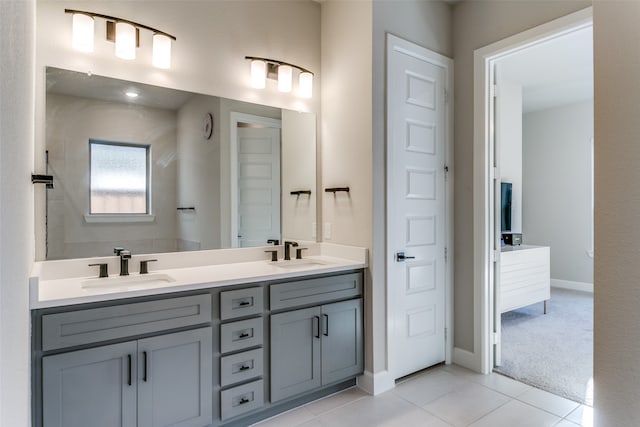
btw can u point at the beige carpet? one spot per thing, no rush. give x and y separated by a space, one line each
553 352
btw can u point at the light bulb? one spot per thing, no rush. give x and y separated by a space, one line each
82 32
125 40
305 84
258 74
161 51
285 74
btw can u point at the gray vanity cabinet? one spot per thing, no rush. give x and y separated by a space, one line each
315 346
90 387
154 381
173 385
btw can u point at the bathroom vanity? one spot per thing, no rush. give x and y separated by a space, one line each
224 351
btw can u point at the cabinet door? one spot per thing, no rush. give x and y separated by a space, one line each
295 352
342 340
175 384
94 387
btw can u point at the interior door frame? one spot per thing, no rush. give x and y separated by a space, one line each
446 63
233 160
486 257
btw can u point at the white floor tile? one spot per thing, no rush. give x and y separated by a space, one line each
336 400
292 418
385 410
518 414
565 423
582 416
548 402
502 384
465 405
428 386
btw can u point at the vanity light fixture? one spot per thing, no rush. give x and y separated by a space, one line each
125 33
263 68
82 32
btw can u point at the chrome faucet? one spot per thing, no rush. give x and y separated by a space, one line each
287 249
125 256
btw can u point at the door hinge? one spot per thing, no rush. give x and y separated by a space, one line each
446 96
495 338
446 334
494 255
446 254
493 172
446 172
494 91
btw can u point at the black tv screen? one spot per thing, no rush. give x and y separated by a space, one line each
505 191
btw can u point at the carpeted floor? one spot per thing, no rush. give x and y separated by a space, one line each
553 352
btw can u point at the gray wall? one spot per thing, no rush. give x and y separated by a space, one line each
17 49
477 24
617 210
509 134
556 172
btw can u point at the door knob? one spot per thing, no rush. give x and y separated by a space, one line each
400 257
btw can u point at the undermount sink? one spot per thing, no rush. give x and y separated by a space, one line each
299 263
126 281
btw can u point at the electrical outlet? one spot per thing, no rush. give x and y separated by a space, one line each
327 230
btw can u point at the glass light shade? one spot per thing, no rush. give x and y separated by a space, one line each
305 84
285 75
161 51
258 74
125 40
82 32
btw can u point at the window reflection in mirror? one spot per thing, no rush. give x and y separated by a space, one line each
193 198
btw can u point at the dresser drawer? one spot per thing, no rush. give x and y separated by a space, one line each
80 327
241 399
242 334
314 291
241 367
241 302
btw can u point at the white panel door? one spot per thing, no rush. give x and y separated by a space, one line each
258 186
416 222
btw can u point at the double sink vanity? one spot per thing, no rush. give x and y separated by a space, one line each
222 338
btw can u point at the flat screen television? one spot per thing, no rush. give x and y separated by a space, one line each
505 196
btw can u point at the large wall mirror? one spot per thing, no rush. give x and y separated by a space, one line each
159 170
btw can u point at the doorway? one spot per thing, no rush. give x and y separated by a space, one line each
419 196
489 176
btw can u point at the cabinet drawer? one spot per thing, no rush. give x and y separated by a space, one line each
241 399
238 335
241 302
106 323
314 291
241 367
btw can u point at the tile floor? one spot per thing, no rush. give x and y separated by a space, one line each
442 396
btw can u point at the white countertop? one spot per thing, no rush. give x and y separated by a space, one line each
60 283
509 248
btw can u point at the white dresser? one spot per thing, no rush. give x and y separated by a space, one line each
524 276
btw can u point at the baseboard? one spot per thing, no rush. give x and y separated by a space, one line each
376 383
569 284
466 359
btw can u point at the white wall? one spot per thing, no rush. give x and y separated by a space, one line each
477 24
71 123
17 50
198 174
557 187
617 211
298 173
509 134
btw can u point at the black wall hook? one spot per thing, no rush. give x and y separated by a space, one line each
334 190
